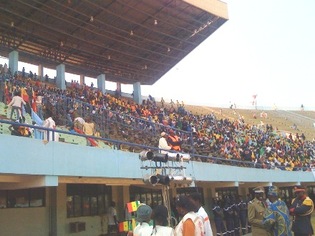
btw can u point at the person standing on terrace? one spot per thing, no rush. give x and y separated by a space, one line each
39 105
162 102
17 102
50 123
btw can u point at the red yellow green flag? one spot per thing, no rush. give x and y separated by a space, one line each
123 226
132 224
133 206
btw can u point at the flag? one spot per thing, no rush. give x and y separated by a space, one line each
38 134
123 226
133 206
24 95
36 118
92 141
131 224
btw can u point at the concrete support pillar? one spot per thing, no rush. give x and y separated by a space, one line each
60 79
137 93
40 72
13 61
101 83
118 87
126 199
82 79
208 196
53 212
118 198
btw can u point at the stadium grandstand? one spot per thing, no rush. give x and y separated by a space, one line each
58 178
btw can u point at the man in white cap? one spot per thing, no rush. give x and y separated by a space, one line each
163 144
256 210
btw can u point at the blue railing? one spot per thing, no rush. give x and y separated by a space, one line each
105 118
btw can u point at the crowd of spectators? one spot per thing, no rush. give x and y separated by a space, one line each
206 137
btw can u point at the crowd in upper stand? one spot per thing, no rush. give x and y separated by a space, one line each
231 141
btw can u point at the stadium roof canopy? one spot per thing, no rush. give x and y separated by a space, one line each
128 40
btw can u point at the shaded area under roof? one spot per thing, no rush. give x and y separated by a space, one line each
128 40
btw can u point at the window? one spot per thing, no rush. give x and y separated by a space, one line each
77 205
187 191
22 198
3 199
37 197
94 206
222 192
311 192
151 197
87 199
70 206
18 198
86 206
286 194
102 203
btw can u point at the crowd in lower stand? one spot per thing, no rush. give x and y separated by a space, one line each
211 139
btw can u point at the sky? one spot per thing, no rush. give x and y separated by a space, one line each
266 48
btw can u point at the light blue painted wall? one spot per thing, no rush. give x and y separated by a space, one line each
30 156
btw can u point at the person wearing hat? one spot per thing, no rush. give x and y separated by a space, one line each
191 223
163 144
143 217
160 222
277 216
301 209
256 209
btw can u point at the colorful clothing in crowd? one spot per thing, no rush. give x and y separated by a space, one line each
277 219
